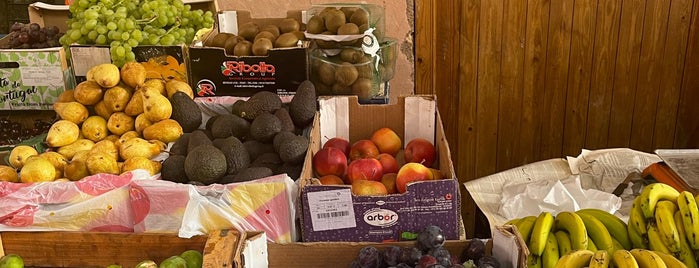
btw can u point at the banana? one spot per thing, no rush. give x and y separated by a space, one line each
624 259
575 259
654 192
686 254
591 244
616 226
636 218
601 259
671 261
687 205
525 226
598 233
542 228
563 241
647 258
551 254
512 221
637 239
533 261
574 225
655 242
665 222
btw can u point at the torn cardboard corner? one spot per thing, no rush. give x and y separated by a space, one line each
509 247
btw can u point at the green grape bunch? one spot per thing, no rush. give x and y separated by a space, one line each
125 24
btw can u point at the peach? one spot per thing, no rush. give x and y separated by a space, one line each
389 180
330 161
365 187
386 140
388 162
364 169
411 172
331 180
363 149
339 143
420 150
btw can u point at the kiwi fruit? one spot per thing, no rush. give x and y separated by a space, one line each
338 89
229 46
261 47
288 25
363 89
346 74
326 73
351 55
359 17
324 44
299 34
248 30
334 19
386 72
315 25
286 40
219 40
348 29
348 11
265 34
274 29
323 89
243 48
365 67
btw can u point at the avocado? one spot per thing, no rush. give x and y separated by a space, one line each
265 127
285 118
293 151
236 108
259 103
237 156
173 169
210 121
185 111
291 170
228 125
256 148
205 164
197 138
303 105
252 173
280 138
179 147
270 160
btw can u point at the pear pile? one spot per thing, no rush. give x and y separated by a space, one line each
115 121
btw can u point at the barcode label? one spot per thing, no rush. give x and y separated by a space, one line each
331 210
332 214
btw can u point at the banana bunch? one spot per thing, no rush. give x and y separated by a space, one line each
666 221
621 258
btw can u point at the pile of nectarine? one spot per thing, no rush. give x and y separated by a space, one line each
375 166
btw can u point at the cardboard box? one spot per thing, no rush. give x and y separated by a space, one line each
223 248
32 79
332 213
214 73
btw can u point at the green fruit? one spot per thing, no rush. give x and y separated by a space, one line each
146 264
173 262
113 266
193 258
11 261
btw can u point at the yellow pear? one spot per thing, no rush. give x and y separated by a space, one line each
101 162
106 146
19 154
114 138
156 106
135 105
133 74
37 170
71 149
142 123
116 98
88 93
94 128
8 173
139 147
105 74
119 123
102 109
72 111
66 96
175 85
57 160
126 136
61 133
140 162
76 170
167 130
155 83
81 155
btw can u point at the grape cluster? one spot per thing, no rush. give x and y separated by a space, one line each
31 35
125 24
16 132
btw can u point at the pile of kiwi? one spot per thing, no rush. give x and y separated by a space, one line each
254 39
346 20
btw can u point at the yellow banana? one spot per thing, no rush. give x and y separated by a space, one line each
601 259
671 261
533 261
616 226
623 259
655 242
574 225
525 226
550 256
636 218
575 259
647 258
686 254
591 244
637 239
665 222
542 228
598 233
563 241
687 205
654 192
512 221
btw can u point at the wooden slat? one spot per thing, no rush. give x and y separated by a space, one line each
671 73
626 72
513 34
654 32
424 58
602 76
687 130
489 86
558 51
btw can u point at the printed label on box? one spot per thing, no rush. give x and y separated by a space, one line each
41 76
331 210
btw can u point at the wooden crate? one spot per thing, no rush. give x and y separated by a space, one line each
99 249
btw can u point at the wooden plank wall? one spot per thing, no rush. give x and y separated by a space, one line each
520 81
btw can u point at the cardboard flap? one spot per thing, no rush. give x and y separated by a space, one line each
228 21
420 118
334 118
509 247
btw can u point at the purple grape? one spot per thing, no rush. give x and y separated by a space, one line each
391 255
442 255
369 257
474 251
410 255
16 27
429 238
24 37
34 27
